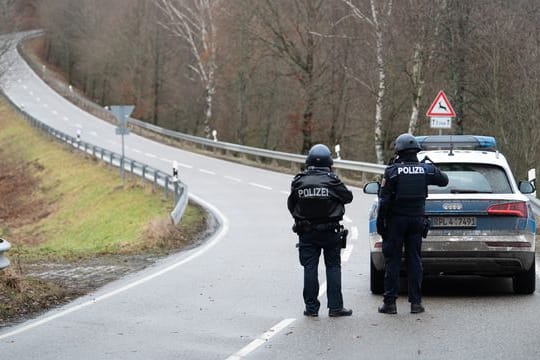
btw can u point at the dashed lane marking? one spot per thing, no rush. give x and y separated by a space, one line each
93 133
260 186
185 166
347 219
261 340
136 151
233 178
204 171
150 155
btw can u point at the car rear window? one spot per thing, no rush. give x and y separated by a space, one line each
473 178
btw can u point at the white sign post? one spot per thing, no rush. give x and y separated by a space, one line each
441 113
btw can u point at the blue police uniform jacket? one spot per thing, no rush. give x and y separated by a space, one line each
404 187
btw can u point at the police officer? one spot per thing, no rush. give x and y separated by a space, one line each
317 202
401 220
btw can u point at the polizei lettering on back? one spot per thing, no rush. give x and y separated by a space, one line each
411 170
313 192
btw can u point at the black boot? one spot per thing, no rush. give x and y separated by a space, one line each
417 308
339 312
388 308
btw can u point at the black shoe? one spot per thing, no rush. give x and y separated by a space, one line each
310 313
388 308
417 308
339 312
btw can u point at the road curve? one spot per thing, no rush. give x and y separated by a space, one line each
238 295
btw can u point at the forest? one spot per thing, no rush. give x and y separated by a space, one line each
286 74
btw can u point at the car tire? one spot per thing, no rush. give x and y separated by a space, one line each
525 282
376 280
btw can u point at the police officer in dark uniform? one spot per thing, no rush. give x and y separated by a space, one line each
401 220
317 202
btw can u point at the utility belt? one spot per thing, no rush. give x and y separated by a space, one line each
305 226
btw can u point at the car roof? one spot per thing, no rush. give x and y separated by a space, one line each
465 156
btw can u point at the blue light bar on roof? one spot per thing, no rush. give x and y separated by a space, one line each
457 142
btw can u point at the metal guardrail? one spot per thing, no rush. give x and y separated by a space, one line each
362 167
4 246
158 178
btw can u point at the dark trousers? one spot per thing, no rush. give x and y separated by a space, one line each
311 244
403 230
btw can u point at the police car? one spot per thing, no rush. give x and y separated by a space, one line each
481 223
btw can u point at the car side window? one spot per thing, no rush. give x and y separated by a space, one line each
473 178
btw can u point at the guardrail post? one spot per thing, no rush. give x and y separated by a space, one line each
176 194
166 187
4 246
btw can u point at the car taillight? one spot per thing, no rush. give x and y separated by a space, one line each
518 209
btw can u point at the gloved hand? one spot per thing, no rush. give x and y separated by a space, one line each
381 226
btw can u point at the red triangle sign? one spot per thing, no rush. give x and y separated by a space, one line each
441 107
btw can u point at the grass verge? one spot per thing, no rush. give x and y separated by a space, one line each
61 206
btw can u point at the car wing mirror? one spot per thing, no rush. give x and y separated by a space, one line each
372 187
526 187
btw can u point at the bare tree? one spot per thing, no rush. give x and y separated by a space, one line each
376 18
193 22
289 30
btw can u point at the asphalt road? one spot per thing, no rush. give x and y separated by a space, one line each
239 295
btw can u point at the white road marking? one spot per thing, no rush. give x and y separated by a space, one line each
347 253
246 350
207 172
54 112
45 105
219 235
137 151
166 160
93 133
354 233
347 219
78 126
65 118
185 166
260 186
285 192
233 178
150 155
322 289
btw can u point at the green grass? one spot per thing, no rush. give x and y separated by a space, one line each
89 211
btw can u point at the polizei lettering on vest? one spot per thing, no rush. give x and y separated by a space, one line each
411 170
313 192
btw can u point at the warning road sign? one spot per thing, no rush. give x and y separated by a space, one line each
441 107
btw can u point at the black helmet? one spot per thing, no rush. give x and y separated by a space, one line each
406 142
319 155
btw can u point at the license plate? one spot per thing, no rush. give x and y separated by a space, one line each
453 221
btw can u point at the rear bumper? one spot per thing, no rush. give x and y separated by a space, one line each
484 255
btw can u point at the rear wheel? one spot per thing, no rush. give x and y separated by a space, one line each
525 282
376 280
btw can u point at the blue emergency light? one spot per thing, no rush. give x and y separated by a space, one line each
451 142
